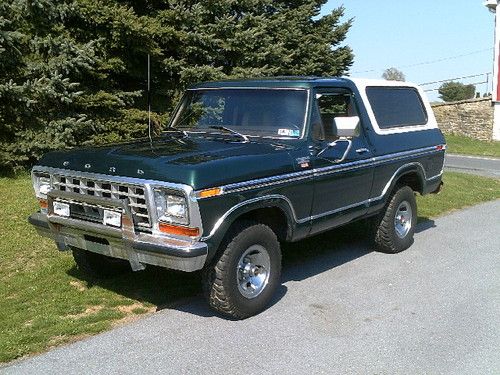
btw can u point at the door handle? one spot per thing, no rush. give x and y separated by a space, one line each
362 150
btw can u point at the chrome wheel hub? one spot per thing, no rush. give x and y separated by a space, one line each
403 219
252 272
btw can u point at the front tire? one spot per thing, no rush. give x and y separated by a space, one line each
99 266
244 277
395 226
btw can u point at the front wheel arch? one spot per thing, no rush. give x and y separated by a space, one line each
277 213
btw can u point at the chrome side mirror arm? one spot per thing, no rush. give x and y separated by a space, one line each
334 143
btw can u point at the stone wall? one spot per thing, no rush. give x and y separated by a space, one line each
473 118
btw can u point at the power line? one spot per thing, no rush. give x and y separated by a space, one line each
454 79
448 58
474 83
429 62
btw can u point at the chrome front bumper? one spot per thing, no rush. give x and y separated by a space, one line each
124 243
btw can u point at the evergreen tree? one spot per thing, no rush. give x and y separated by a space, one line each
40 60
74 71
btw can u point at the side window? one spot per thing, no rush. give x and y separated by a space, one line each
396 106
329 106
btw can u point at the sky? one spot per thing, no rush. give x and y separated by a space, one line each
428 40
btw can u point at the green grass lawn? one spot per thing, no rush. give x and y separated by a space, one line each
469 146
45 301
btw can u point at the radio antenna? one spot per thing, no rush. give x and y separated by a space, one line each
149 99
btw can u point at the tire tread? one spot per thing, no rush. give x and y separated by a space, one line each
383 223
213 279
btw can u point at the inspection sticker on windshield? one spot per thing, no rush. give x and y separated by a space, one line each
289 132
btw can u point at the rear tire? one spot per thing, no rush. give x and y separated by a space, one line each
395 226
243 278
99 266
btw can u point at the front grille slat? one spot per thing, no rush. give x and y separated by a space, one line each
134 194
138 205
96 191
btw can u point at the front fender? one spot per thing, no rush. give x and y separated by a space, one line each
222 225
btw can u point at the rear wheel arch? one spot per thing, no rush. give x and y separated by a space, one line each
412 175
394 226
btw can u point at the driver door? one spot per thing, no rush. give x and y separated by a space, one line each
341 188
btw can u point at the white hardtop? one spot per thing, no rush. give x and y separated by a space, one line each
367 82
363 83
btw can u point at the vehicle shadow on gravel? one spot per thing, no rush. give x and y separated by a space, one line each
324 252
182 291
424 223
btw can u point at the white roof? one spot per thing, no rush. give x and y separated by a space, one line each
366 82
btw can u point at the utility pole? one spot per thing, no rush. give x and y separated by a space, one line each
494 7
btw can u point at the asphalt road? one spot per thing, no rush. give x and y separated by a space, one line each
433 309
484 166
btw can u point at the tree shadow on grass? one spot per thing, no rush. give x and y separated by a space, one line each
167 289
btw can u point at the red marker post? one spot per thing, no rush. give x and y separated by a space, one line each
494 7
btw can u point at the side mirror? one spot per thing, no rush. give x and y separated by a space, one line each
347 127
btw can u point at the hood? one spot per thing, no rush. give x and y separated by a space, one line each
199 161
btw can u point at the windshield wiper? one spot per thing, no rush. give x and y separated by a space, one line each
183 132
229 130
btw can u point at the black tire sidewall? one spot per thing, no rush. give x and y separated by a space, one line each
253 235
403 194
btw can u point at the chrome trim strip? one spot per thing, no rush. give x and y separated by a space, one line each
436 176
297 176
340 209
317 216
266 181
373 199
376 160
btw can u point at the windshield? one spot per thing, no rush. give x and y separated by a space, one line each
253 112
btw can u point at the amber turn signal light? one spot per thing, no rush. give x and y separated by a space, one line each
207 193
179 231
43 203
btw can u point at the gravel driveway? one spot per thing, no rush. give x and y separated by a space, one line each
434 309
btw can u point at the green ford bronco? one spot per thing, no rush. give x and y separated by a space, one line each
243 166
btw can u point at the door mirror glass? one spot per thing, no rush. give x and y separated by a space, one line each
346 127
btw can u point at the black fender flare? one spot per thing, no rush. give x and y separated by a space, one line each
406 169
281 202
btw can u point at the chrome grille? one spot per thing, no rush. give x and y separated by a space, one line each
135 194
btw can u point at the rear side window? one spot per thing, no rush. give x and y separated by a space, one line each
396 106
